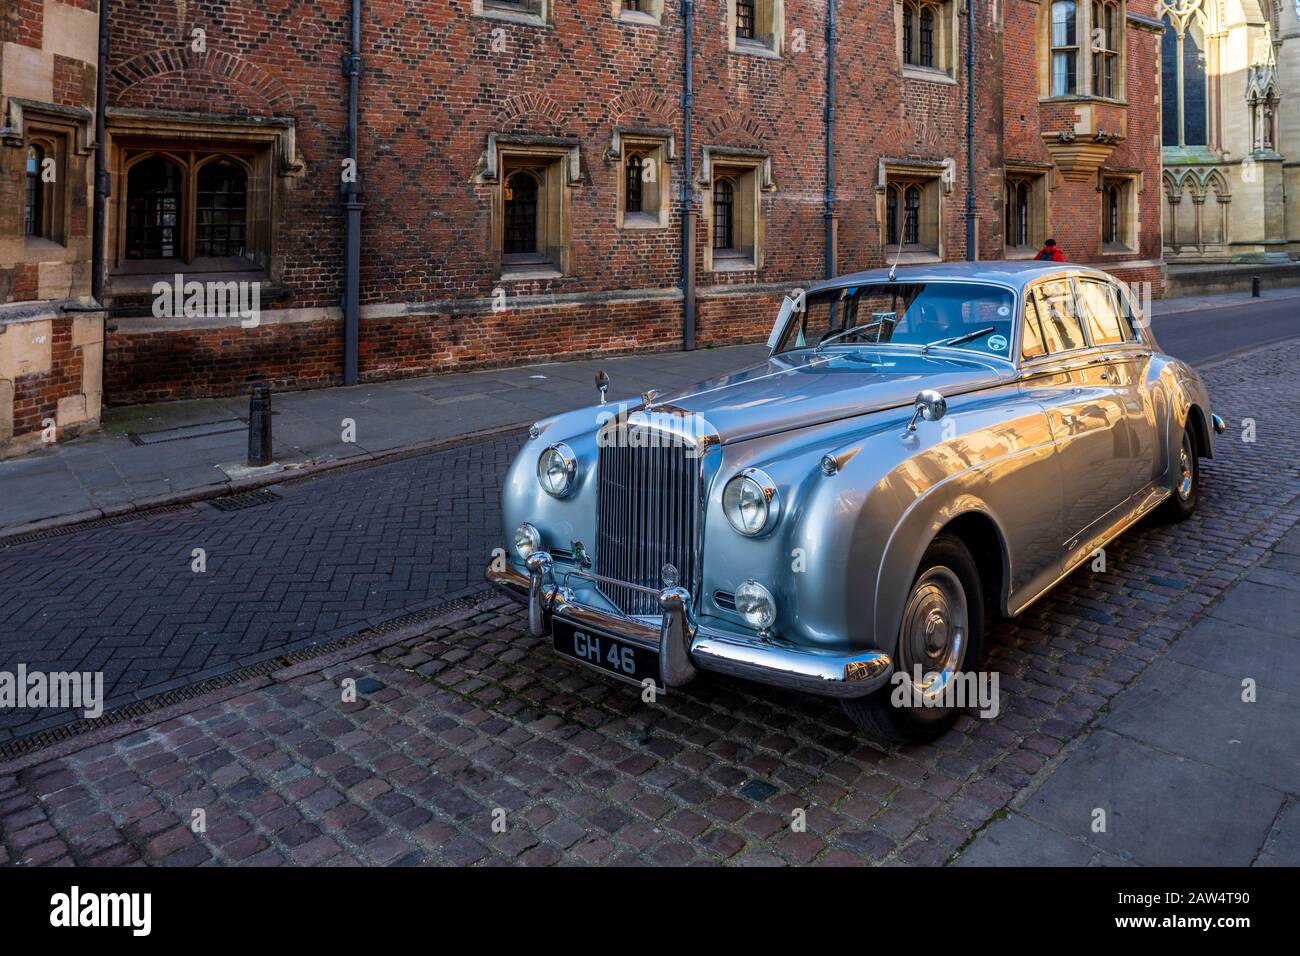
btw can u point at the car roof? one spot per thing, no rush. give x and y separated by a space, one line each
1014 274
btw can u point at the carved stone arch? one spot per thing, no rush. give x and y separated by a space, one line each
1214 215
157 65
1215 181
1172 185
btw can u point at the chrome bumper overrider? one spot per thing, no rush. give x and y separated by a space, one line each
1219 424
683 644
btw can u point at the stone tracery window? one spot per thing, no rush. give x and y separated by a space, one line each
1185 115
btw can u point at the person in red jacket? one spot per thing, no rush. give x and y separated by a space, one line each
1049 252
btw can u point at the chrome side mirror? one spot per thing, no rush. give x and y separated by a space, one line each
930 405
602 383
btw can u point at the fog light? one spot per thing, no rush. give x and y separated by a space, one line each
756 605
527 540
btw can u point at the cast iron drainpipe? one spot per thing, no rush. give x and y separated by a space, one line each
829 195
101 164
352 207
970 131
688 207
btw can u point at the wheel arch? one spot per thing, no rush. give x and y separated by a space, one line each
967 518
1197 418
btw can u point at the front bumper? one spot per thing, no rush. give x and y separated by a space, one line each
684 644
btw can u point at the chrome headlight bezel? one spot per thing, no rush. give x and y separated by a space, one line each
764 490
762 597
529 535
568 462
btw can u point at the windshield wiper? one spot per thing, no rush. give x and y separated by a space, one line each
958 339
884 317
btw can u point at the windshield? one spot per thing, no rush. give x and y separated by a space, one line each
905 313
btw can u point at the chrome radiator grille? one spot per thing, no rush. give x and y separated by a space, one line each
648 517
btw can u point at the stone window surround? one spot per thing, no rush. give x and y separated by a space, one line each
1083 66
770 22
535 13
1130 181
937 181
736 162
947 41
559 158
266 145
69 132
651 15
1042 182
662 144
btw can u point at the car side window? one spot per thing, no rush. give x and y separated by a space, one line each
1129 313
1058 317
1097 303
1031 337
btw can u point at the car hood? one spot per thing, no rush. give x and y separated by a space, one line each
804 388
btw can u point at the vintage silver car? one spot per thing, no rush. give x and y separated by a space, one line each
919 450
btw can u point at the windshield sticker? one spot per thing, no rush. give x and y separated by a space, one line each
997 343
1003 310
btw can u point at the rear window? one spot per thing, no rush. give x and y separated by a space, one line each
1057 316
907 313
1097 303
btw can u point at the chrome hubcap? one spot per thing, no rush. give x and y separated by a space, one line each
934 631
1186 468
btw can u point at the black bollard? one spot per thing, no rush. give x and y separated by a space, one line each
259 426
1254 287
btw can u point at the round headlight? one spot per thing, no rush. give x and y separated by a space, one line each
527 540
555 470
756 605
750 503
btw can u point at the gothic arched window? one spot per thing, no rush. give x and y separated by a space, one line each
521 214
745 19
221 209
927 37
34 196
632 185
724 222
912 208
1184 116
153 209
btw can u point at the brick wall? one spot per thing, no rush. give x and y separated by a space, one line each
438 81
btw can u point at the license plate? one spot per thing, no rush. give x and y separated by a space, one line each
604 651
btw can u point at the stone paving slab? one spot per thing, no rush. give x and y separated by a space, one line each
1200 715
1160 809
1016 840
1237 651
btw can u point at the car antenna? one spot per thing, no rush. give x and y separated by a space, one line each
902 233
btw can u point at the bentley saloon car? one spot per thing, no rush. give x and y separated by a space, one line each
919 451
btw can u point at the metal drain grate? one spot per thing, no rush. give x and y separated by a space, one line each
244 499
419 617
44 738
90 525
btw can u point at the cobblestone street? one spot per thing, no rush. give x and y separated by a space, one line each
474 722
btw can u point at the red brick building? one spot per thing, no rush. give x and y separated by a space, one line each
526 171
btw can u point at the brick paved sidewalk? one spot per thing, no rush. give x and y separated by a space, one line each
474 722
